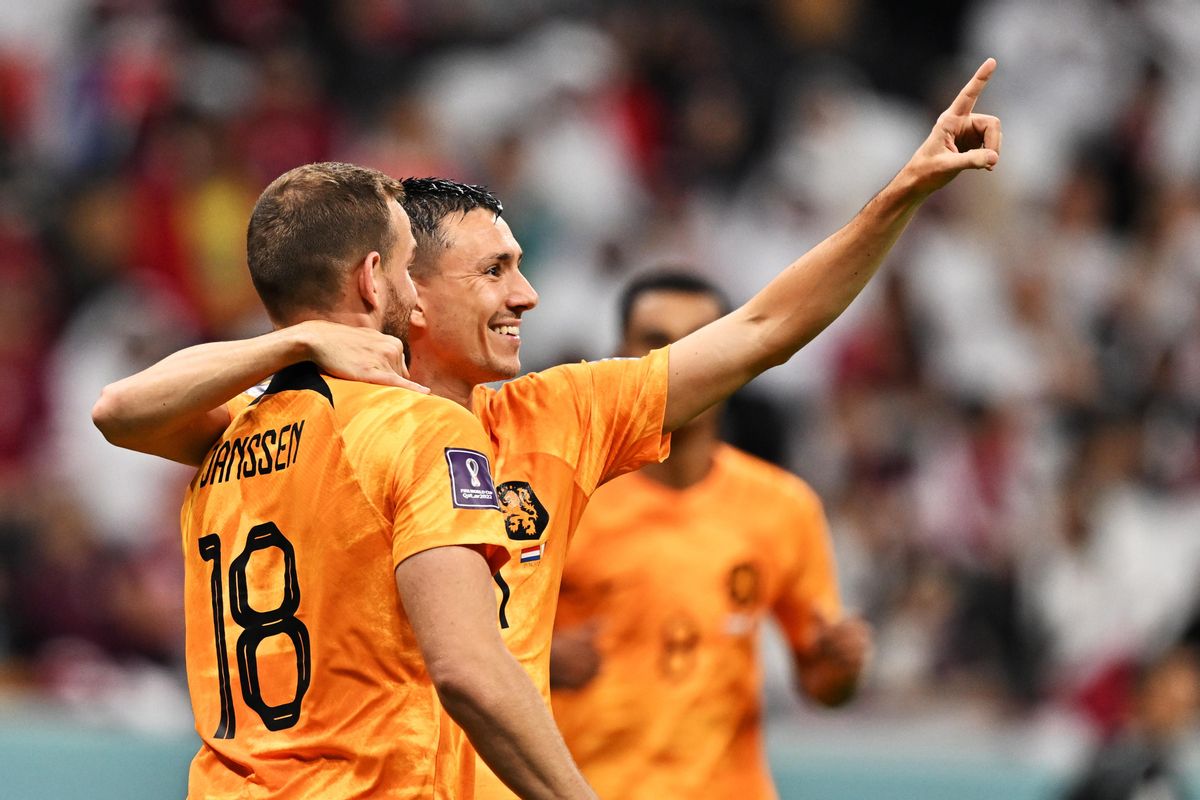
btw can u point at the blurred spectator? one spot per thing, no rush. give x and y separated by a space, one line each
1140 762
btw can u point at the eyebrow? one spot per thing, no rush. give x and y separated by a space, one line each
503 256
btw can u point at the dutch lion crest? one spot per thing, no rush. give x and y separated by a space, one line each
525 518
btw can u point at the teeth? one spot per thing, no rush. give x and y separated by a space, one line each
508 330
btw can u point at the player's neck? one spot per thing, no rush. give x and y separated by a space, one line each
692 451
444 384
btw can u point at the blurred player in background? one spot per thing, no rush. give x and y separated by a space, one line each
323 499
655 665
562 433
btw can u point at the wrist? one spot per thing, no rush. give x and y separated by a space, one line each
298 342
899 200
909 189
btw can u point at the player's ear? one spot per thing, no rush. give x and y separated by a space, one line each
368 280
417 318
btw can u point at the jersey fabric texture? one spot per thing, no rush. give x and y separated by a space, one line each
558 435
305 676
679 581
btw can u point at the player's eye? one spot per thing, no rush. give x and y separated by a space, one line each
494 269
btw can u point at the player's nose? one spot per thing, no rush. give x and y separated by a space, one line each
522 296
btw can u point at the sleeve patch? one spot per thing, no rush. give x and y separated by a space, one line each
470 479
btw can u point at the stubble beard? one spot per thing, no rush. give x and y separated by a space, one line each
395 319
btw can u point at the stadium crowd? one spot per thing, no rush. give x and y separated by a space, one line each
1005 428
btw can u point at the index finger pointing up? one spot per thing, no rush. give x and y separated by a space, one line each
965 102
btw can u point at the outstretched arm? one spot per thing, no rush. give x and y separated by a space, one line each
175 408
710 364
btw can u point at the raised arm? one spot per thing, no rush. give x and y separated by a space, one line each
713 362
176 408
447 594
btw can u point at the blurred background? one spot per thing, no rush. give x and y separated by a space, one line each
1005 427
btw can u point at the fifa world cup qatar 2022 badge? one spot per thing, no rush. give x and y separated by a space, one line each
470 479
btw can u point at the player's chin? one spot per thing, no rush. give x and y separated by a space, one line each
506 367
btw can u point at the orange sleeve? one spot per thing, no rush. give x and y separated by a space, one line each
442 491
629 406
618 407
810 589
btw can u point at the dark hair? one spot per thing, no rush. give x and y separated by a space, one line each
429 200
668 280
309 225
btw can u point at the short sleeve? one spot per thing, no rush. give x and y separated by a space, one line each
625 419
442 491
810 589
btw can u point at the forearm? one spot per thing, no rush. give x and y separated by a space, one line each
800 302
816 288
710 364
513 732
173 408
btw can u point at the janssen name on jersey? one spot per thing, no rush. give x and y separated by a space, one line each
259 453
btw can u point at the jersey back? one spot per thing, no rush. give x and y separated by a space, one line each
305 676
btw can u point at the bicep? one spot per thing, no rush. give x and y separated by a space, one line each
448 597
708 365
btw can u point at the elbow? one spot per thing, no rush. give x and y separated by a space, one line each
462 686
774 342
106 413
775 357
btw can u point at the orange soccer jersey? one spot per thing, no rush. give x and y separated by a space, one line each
559 434
305 676
679 581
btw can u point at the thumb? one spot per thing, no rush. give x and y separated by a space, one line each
386 377
405 383
981 158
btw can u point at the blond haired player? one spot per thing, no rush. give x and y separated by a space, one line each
338 542
561 433
655 664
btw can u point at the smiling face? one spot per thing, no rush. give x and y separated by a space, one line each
466 329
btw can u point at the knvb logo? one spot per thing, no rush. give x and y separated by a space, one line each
525 518
470 479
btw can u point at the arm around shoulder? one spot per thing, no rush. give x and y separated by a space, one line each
175 408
